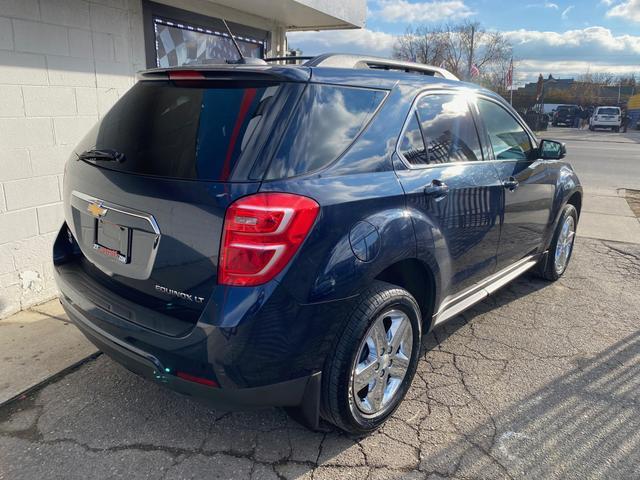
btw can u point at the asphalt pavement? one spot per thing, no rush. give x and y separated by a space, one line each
539 381
602 159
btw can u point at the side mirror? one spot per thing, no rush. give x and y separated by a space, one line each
552 150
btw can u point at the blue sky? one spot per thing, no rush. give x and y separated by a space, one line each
562 37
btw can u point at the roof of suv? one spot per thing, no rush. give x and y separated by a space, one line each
353 70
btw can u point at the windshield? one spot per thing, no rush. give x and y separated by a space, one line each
182 132
609 111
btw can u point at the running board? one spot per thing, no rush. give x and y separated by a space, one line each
460 303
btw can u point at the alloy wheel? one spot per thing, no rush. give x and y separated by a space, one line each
382 362
565 244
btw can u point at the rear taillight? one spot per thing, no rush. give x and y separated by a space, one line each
261 234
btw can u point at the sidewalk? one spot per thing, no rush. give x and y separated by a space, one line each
37 344
606 215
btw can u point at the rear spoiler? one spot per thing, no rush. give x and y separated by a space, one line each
227 72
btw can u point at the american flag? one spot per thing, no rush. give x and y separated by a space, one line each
509 79
475 71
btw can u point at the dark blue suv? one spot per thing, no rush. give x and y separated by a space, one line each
264 235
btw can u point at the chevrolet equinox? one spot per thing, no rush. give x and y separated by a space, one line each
269 235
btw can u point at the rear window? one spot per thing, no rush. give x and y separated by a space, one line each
183 132
609 111
326 121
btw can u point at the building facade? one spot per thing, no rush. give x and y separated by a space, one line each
63 64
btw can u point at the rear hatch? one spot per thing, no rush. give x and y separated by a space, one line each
610 114
565 113
146 199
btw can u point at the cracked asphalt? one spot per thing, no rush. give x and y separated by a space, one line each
539 381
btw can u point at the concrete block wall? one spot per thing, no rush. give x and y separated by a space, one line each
63 63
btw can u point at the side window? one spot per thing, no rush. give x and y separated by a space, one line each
412 144
448 129
326 121
508 138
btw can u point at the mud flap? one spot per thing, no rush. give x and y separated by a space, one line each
308 412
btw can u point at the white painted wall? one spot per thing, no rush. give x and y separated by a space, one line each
63 63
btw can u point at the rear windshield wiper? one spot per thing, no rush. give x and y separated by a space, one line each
103 155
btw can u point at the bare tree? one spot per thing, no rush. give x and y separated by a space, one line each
421 44
494 75
629 80
457 48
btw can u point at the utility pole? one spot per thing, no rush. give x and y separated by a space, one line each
619 90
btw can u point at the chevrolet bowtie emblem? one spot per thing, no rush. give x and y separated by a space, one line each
96 209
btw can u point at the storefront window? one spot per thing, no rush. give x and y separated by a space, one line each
182 44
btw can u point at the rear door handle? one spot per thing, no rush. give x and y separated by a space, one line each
436 188
510 183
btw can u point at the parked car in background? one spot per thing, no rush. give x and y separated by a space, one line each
263 235
565 115
606 117
536 121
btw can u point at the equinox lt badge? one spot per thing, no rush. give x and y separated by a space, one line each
180 295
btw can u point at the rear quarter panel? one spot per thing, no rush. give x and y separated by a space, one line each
360 186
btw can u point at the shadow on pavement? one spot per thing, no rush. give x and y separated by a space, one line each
556 431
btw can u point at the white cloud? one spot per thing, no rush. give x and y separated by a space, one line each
563 54
343 41
628 9
566 11
551 5
588 42
528 70
433 11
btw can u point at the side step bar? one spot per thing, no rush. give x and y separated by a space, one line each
458 304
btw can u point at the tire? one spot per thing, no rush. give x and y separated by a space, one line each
616 129
549 267
341 405
591 128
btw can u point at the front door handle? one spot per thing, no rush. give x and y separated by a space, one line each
510 183
436 188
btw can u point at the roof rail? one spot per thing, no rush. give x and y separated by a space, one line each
282 59
341 60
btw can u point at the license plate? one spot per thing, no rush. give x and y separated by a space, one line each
113 241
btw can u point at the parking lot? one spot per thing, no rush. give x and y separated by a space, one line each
539 381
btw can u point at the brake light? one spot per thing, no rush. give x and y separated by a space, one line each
261 233
177 75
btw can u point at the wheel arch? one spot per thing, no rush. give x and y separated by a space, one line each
568 190
418 279
576 200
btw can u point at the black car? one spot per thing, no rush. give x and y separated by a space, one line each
263 235
566 115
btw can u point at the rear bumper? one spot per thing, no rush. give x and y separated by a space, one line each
605 124
292 393
250 347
